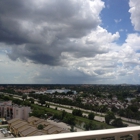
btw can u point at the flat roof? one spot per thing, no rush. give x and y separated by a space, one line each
87 134
20 125
53 129
38 133
32 118
16 122
24 128
28 131
39 121
65 131
13 120
48 127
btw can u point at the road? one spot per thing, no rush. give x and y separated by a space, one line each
98 118
3 125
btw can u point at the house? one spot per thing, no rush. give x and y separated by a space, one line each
54 130
10 122
38 133
21 128
48 127
31 120
18 126
36 123
28 131
114 98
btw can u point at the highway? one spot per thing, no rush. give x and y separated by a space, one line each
68 109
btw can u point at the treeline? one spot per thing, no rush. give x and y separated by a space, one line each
14 100
131 112
110 119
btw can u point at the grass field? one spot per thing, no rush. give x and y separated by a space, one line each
79 120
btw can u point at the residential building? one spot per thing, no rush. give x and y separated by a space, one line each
10 111
21 128
127 133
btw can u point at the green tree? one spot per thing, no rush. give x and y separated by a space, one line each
64 113
42 101
6 98
47 105
57 116
24 96
91 116
133 108
38 113
72 128
110 116
69 118
117 122
90 126
31 100
78 99
77 112
103 108
121 112
40 127
114 109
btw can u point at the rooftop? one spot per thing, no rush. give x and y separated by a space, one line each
97 134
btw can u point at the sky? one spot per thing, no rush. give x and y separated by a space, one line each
69 41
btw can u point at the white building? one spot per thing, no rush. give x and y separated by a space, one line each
114 98
60 91
9 111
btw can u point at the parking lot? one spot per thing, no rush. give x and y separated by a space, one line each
4 136
63 125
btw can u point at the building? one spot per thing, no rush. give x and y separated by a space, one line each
21 128
127 133
10 111
51 91
114 98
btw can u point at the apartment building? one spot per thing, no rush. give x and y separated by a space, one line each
9 111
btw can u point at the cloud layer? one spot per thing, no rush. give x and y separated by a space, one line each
135 12
43 30
58 41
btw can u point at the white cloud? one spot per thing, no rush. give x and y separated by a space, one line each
117 20
50 28
66 44
121 30
135 12
134 41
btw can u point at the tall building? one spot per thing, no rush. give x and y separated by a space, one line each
9 111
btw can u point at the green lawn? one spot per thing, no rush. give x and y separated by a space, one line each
85 120
78 119
50 110
71 108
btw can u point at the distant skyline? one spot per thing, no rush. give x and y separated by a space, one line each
69 42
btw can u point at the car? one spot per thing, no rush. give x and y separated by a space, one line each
50 118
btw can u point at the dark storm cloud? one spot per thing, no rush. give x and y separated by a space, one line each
42 30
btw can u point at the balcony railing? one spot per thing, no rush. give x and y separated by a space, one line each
107 134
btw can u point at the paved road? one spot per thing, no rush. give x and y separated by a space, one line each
3 125
98 118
